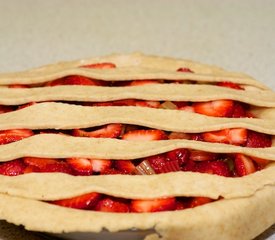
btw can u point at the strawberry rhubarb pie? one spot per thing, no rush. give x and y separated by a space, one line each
137 143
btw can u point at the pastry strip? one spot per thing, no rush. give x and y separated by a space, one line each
104 148
163 92
55 186
66 116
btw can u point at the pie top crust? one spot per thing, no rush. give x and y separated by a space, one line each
245 199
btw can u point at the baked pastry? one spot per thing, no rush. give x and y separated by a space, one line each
133 142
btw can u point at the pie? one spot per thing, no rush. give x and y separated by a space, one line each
136 142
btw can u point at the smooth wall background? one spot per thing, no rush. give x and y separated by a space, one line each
237 35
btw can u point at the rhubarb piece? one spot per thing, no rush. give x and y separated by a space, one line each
168 105
144 168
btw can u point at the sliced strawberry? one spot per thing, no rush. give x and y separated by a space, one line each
108 131
82 166
18 86
243 165
197 155
85 201
230 85
125 166
235 136
61 167
261 163
75 80
142 82
198 201
180 104
100 165
104 65
238 111
181 203
184 69
4 109
144 135
125 102
99 104
8 136
213 167
162 164
31 169
12 168
157 162
197 137
179 135
258 140
181 155
218 108
151 104
112 204
154 205
39 162
187 108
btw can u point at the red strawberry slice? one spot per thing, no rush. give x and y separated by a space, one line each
142 82
12 168
151 104
236 136
125 166
197 137
197 155
75 80
230 85
187 108
198 201
112 204
218 108
39 162
85 201
184 69
181 155
261 163
47 165
144 135
108 131
180 104
239 111
125 102
112 171
154 205
8 136
82 166
213 167
258 140
104 65
18 86
100 165
243 165
99 104
4 109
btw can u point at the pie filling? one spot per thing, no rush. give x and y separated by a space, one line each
104 203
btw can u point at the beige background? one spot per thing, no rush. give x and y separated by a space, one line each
238 35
